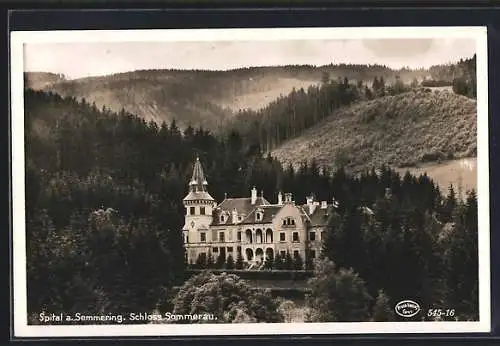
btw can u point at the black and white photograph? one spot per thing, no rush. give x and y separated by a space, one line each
250 181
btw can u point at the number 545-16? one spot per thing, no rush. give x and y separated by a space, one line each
441 312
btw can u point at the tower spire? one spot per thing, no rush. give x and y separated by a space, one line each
198 182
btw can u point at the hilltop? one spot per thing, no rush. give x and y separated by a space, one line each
41 80
404 130
199 97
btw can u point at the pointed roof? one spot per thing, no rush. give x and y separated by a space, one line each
198 184
198 181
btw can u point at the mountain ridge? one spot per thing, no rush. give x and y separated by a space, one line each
203 97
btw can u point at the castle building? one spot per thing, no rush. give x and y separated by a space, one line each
251 226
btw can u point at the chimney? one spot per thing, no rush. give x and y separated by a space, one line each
280 198
310 204
235 215
324 205
288 197
254 195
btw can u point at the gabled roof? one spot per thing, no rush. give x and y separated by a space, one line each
320 216
269 212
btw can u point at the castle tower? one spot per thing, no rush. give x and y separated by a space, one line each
199 207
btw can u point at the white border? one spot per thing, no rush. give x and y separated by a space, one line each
22 329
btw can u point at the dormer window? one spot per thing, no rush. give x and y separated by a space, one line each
222 219
259 215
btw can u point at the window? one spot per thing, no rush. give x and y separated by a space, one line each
239 218
187 239
229 249
215 249
292 221
221 237
283 254
238 249
191 210
313 254
202 210
312 236
284 222
322 235
258 216
239 235
296 253
203 237
282 236
295 236
222 218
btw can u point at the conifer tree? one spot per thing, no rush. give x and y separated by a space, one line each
239 261
298 263
278 262
230 262
382 310
221 261
288 261
210 261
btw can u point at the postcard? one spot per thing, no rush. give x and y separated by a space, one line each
210 182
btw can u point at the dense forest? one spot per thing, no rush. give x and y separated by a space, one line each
104 211
461 75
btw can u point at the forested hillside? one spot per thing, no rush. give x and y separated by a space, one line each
206 98
402 130
461 75
209 98
104 211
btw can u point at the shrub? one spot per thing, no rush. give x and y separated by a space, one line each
227 297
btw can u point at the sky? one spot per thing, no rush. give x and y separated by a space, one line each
76 60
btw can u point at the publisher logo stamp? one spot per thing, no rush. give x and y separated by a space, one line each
407 308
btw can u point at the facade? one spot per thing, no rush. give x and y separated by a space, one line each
251 225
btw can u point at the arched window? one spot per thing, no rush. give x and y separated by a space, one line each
248 236
269 235
249 254
258 236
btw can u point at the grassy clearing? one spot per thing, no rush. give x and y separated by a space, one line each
456 172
